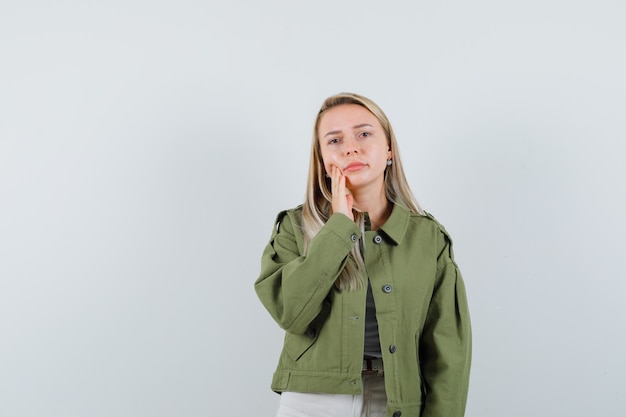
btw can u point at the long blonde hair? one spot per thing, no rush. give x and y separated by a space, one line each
317 206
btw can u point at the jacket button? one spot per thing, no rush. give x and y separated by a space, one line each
397 414
353 237
392 348
387 288
310 332
377 239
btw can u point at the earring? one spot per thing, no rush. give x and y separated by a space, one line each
389 162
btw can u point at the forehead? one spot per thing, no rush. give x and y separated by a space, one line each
345 116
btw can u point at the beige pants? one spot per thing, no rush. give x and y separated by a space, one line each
372 403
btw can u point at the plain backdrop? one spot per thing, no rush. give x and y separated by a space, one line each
146 147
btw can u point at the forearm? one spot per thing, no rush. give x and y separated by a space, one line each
292 286
446 347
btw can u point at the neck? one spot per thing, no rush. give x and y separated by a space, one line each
375 204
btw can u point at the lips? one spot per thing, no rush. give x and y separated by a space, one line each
354 166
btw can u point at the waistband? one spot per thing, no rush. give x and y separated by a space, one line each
373 366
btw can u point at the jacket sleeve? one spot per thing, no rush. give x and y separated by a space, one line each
293 286
446 341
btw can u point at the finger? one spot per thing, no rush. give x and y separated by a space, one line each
341 186
335 179
338 203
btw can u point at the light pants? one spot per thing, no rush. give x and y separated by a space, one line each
372 403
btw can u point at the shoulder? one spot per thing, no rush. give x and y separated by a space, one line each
288 221
291 215
440 226
288 225
427 220
444 240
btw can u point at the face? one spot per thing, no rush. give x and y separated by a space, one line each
352 139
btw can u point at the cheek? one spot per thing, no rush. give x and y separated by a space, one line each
328 159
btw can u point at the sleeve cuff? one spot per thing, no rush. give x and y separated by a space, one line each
344 228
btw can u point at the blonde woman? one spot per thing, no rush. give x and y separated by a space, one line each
364 283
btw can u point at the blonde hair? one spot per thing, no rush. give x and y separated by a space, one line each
317 207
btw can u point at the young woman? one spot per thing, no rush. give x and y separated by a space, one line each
364 283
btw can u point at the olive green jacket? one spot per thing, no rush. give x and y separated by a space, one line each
421 309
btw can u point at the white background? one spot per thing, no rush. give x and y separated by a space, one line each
146 146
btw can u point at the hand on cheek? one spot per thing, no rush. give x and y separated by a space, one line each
342 199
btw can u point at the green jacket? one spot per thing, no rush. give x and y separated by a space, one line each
421 309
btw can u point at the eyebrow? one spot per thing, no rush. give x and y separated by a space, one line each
334 132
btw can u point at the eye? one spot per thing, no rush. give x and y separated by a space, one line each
333 141
365 134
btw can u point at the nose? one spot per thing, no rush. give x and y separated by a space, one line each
352 147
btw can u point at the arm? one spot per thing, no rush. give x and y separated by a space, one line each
445 348
292 286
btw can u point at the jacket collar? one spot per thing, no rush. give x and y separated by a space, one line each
397 224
